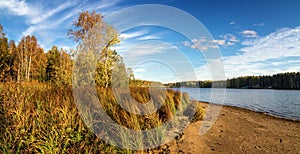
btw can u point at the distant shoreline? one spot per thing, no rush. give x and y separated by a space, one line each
288 80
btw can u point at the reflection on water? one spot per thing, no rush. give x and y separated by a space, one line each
282 103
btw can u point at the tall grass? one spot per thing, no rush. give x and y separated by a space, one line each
44 119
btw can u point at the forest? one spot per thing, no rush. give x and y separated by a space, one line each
27 61
289 80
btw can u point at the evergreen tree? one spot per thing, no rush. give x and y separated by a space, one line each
53 65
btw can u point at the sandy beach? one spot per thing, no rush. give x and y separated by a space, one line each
240 131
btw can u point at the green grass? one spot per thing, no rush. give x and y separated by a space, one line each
44 119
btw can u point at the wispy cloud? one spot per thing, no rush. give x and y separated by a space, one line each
204 44
232 23
148 37
133 34
52 12
259 24
230 38
17 7
249 33
50 20
219 42
140 35
274 53
279 44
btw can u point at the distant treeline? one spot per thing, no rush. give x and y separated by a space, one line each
277 81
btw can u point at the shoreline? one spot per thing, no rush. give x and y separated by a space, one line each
260 112
239 130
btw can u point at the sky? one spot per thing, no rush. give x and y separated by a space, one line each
249 37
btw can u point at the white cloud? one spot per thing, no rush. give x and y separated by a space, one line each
32 29
50 13
274 53
230 38
277 46
249 33
16 7
140 35
133 34
148 37
49 23
232 23
203 44
219 42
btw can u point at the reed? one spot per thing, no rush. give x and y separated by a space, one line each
37 118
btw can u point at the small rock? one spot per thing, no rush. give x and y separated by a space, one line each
257 146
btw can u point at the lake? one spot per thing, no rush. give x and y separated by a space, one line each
280 103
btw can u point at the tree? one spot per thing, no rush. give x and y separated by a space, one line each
130 73
59 67
95 38
53 63
113 70
26 53
119 76
85 22
66 68
13 56
4 56
39 65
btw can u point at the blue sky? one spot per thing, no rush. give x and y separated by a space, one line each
255 37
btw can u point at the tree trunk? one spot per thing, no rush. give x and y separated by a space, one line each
28 71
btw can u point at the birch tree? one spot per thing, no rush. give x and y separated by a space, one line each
95 38
26 52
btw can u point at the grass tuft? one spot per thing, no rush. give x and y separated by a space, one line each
37 118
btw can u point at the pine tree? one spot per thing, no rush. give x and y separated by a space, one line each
53 64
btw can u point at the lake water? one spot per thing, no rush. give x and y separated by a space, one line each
280 103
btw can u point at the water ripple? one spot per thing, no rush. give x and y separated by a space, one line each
280 103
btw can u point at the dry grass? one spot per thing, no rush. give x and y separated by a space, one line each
44 119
